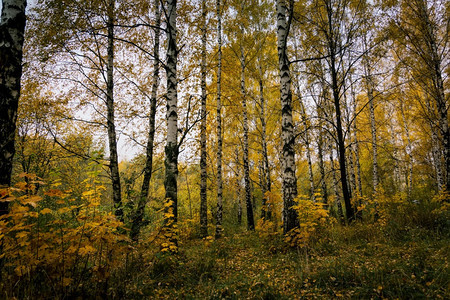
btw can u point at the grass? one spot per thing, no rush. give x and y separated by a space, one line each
355 262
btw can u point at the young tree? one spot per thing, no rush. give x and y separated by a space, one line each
203 173
111 127
219 228
139 213
248 194
12 27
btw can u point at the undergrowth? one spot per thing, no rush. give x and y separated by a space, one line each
56 246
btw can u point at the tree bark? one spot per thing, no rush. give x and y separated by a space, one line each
337 105
12 29
289 179
265 182
238 187
355 139
111 127
219 228
408 151
203 174
171 149
370 97
335 184
139 214
248 193
308 150
323 183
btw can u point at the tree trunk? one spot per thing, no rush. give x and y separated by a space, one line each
335 184
238 187
323 183
289 179
203 174
436 153
408 151
370 97
439 92
219 228
266 184
12 29
171 149
435 149
139 214
355 139
339 130
248 192
308 150
396 171
112 139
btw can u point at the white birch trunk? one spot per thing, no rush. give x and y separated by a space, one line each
289 179
408 151
266 183
171 149
111 127
12 29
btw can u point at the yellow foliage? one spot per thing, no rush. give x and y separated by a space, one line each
168 237
36 239
311 216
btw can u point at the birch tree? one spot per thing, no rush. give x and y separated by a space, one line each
203 174
139 214
111 127
12 27
219 228
171 148
420 29
289 179
248 193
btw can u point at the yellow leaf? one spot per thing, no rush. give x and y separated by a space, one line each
66 281
46 211
88 249
63 210
22 234
20 270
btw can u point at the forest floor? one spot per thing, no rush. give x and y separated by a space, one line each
348 262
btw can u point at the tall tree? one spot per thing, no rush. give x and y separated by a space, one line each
203 174
219 228
12 27
139 214
334 46
171 149
248 193
265 180
111 127
289 179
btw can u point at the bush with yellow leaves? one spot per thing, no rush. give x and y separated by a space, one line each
397 213
268 227
168 238
311 216
57 250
